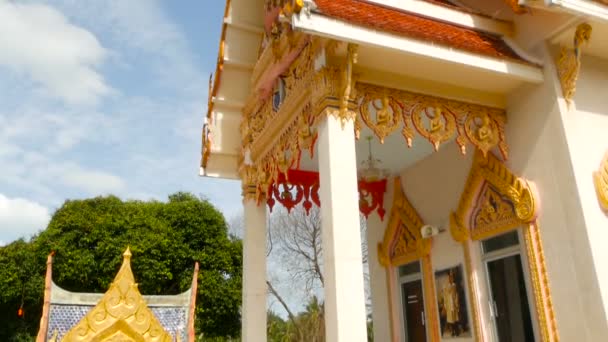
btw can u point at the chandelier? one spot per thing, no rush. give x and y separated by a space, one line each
370 170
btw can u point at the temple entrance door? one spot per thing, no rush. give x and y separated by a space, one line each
414 311
509 307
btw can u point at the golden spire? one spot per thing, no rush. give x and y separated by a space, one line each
121 314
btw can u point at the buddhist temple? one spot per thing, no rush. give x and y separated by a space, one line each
471 134
121 314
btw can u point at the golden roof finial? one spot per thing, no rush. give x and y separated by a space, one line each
127 254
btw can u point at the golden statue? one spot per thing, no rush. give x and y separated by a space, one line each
383 114
484 132
436 122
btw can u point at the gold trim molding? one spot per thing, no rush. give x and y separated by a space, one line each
120 315
569 61
472 290
430 299
600 179
402 241
495 201
403 244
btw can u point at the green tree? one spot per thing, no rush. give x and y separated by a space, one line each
166 239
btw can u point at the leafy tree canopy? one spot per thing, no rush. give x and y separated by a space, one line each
88 238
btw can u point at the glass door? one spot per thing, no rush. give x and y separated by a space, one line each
508 301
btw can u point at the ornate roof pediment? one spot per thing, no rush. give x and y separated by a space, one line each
121 314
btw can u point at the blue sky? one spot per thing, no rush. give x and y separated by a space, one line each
103 97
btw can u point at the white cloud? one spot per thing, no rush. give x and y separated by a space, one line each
38 41
91 181
21 218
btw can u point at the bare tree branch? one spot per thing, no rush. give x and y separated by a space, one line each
292 317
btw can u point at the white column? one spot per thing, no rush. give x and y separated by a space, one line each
254 273
381 313
345 318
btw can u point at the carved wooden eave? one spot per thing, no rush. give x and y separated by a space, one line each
121 314
403 242
600 179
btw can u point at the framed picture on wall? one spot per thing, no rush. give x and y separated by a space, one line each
452 303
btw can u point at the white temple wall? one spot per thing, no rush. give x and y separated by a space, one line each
540 153
433 186
587 133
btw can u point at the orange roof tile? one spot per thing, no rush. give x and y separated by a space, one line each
417 27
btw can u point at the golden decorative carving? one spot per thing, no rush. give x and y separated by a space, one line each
441 124
121 314
482 131
388 116
495 213
487 179
540 284
495 201
569 62
348 86
275 139
437 120
249 183
600 178
402 241
430 299
307 132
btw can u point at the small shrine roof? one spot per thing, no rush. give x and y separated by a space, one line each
417 27
65 311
